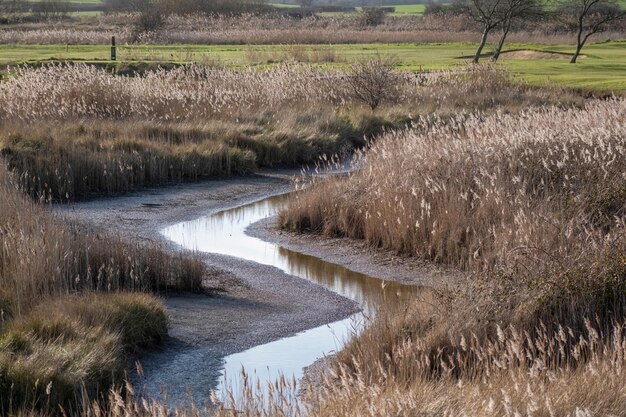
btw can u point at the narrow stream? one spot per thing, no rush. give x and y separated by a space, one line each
224 233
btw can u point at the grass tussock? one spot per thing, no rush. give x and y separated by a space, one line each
74 346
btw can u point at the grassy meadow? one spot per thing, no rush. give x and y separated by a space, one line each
408 9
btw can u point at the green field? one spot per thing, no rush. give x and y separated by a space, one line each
284 6
602 67
400 9
409 10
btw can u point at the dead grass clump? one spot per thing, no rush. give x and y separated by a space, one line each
74 344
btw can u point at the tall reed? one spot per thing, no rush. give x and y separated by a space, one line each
76 131
42 256
74 305
259 29
532 206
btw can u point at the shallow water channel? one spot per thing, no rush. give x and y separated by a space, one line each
224 233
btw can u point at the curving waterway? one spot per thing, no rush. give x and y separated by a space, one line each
225 233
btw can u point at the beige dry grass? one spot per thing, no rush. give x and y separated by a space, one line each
76 131
537 330
530 202
533 207
475 190
67 321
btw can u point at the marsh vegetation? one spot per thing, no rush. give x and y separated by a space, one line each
519 187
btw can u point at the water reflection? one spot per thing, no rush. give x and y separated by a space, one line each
287 357
224 233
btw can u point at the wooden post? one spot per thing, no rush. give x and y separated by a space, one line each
113 50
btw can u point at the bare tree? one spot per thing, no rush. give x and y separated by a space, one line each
374 81
490 14
591 17
512 11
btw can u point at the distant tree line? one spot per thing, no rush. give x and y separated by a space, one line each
188 6
153 13
11 10
348 3
583 17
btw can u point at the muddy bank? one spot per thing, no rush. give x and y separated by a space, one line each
356 255
260 304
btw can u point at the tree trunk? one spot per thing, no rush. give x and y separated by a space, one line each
483 41
505 32
579 41
576 54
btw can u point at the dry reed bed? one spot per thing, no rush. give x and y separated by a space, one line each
520 378
73 305
275 29
121 133
81 160
243 36
76 131
539 328
532 204
475 190
41 256
520 382
193 92
533 207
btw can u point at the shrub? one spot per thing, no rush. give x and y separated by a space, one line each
149 22
374 81
371 16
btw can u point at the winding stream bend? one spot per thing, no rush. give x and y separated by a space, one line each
224 233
